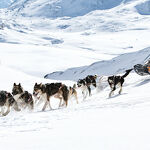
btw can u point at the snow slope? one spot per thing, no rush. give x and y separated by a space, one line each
144 8
104 39
121 122
5 3
62 8
109 67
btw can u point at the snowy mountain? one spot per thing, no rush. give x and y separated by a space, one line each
61 8
144 8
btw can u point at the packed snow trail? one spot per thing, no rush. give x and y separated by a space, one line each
121 122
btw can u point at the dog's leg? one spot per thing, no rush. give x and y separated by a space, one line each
66 102
8 110
49 104
76 97
31 105
121 84
0 110
36 101
39 101
60 102
59 97
112 91
63 103
15 107
120 88
89 90
46 102
84 93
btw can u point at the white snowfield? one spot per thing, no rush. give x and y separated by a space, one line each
68 40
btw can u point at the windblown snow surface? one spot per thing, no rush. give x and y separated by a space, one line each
5 3
67 40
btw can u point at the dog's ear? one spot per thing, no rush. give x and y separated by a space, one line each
14 84
20 84
74 86
35 83
40 84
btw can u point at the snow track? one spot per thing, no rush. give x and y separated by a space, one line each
97 122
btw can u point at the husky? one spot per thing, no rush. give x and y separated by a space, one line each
73 92
43 92
102 83
23 98
114 81
7 100
85 85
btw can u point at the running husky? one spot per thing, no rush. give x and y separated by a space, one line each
23 98
85 85
7 100
113 81
73 92
43 92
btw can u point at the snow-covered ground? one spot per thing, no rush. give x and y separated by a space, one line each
102 37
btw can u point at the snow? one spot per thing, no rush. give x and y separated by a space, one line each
144 8
6 3
61 8
89 38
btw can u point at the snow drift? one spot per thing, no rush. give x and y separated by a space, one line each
114 66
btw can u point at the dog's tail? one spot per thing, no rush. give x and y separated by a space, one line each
127 72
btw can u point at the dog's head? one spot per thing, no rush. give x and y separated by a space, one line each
81 82
17 89
72 90
91 80
26 96
11 99
111 79
38 89
6 96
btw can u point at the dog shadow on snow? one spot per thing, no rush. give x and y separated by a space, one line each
143 82
116 95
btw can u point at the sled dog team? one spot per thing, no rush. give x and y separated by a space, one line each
20 99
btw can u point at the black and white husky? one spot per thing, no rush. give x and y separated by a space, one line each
43 92
115 81
85 85
7 101
23 98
